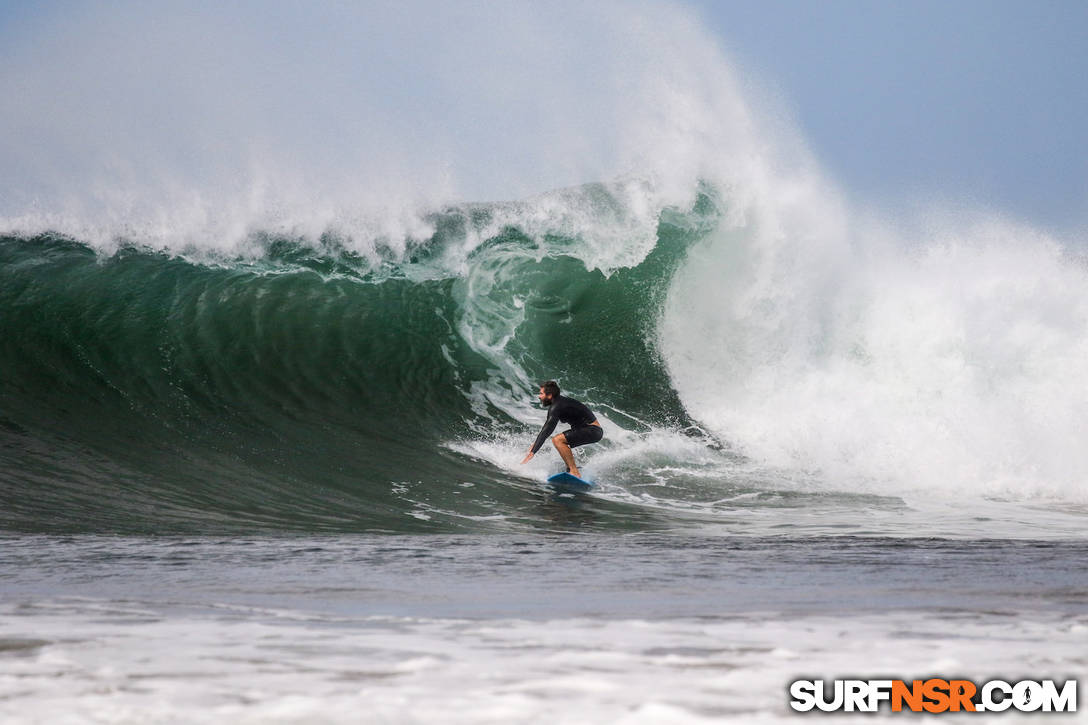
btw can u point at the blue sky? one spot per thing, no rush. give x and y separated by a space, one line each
982 102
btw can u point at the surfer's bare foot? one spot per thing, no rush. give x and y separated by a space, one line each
573 470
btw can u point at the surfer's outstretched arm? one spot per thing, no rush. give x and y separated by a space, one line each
549 426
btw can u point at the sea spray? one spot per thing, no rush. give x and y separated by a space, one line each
946 366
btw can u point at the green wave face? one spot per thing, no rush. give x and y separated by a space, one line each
308 387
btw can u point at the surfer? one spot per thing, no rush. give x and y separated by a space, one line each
584 427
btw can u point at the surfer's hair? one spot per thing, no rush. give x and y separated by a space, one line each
550 388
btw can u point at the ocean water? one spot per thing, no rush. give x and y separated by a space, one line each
262 403
286 489
572 627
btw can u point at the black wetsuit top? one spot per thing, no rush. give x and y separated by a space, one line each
567 410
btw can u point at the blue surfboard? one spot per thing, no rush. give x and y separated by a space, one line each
566 482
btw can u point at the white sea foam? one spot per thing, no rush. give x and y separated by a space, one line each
952 364
89 664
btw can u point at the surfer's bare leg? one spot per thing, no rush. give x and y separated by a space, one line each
566 453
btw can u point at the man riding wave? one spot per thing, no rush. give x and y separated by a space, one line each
584 427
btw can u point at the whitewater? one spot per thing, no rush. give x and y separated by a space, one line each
275 299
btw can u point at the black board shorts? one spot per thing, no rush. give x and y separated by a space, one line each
583 435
